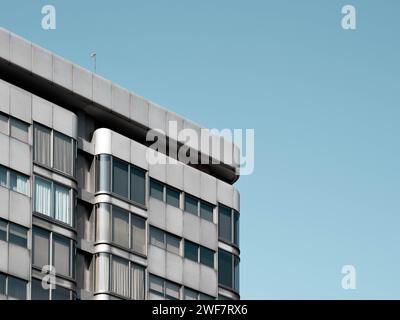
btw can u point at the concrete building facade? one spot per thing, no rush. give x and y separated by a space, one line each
81 205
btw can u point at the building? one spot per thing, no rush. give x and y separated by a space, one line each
80 204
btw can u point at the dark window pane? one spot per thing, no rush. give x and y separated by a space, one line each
225 223
157 237
19 129
207 257
191 251
205 297
18 182
120 178
191 294
156 285
206 211
173 197
2 284
40 247
191 204
62 255
16 288
138 234
38 293
3 123
172 291
3 177
138 185
156 190
104 172
18 235
63 159
60 293
3 230
173 243
236 274
41 145
120 227
225 268
236 228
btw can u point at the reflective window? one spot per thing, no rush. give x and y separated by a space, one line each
165 240
104 172
60 293
3 123
37 291
161 289
138 185
16 288
62 255
156 190
173 243
120 226
228 270
19 130
207 257
14 180
172 291
18 235
3 230
172 197
3 177
195 295
120 177
191 251
191 204
40 247
138 232
3 283
236 228
225 223
206 211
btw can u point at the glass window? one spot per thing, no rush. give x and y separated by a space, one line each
157 190
62 204
3 230
40 247
157 237
172 291
173 243
3 123
102 272
19 129
42 196
18 235
203 296
120 276
138 234
37 291
104 172
191 204
206 211
138 185
207 257
60 293
225 268
63 153
191 251
225 223
236 274
2 284
236 228
17 288
156 287
3 177
18 182
120 227
120 177
62 255
191 294
137 278
41 145
173 197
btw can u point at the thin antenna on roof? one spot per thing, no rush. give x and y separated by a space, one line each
93 56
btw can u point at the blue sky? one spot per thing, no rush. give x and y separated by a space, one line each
324 103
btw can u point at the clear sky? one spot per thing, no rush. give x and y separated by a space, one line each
324 103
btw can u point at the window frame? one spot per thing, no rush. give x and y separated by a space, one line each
235 273
199 204
164 283
234 228
7 230
8 185
165 236
200 248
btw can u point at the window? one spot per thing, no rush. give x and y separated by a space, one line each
199 254
13 233
120 178
199 208
228 270
16 288
3 123
191 251
236 228
3 230
191 204
3 279
161 289
103 172
60 293
206 211
62 255
195 295
207 257
19 130
40 247
173 197
165 240
62 149
156 190
138 232
14 180
120 227
37 291
119 276
138 185
53 200
228 225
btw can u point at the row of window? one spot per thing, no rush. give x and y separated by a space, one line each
13 233
119 276
14 127
228 270
127 230
58 293
49 248
121 178
161 289
54 149
53 200
14 180
228 225
12 287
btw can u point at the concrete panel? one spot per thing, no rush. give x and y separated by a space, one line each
191 180
208 234
4 97
42 111
174 125
102 91
4 44
4 200
156 258
5 150
139 110
121 147
159 171
191 274
208 188
175 175
21 52
138 155
42 62
120 100
187 124
18 261
157 117
3 256
21 104
191 227
157 213
62 121
225 193
20 156
20 209
236 199
62 72
174 220
208 280
82 82
102 141
174 267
